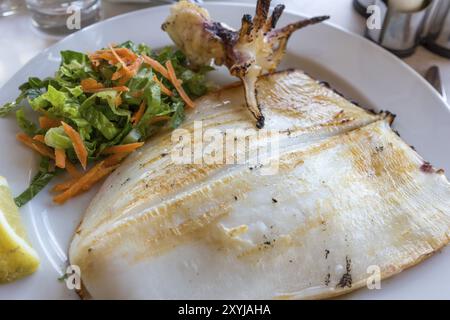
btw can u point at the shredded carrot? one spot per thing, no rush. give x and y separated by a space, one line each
103 172
84 183
72 170
115 159
113 56
128 60
77 187
90 84
123 148
78 144
111 161
125 55
97 56
164 89
108 56
158 119
36 145
94 62
136 65
118 100
156 66
121 51
60 158
123 75
119 89
137 94
138 115
64 185
134 68
47 123
40 138
177 85
117 56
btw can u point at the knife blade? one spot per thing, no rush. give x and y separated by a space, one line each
433 76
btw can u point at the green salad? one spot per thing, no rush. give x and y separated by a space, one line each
98 108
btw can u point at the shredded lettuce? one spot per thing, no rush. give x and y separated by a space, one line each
103 118
75 91
97 119
39 181
110 98
7 108
31 89
57 138
74 66
26 125
178 115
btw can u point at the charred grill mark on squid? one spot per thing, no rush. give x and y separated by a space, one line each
276 14
262 11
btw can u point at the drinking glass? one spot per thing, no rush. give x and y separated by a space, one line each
9 7
62 16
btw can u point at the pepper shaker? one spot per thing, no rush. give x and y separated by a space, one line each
437 39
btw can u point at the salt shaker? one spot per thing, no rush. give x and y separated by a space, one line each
402 25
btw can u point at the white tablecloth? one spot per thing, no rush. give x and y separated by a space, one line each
20 41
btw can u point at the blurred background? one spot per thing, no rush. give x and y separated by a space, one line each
29 26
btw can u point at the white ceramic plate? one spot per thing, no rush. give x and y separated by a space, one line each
353 65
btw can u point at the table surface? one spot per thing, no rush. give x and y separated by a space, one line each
23 41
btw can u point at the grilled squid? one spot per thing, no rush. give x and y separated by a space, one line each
249 52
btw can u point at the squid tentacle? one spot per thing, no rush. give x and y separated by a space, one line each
255 48
276 14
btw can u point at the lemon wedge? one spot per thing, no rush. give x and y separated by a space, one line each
17 257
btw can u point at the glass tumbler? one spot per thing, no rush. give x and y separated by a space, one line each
9 7
62 16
